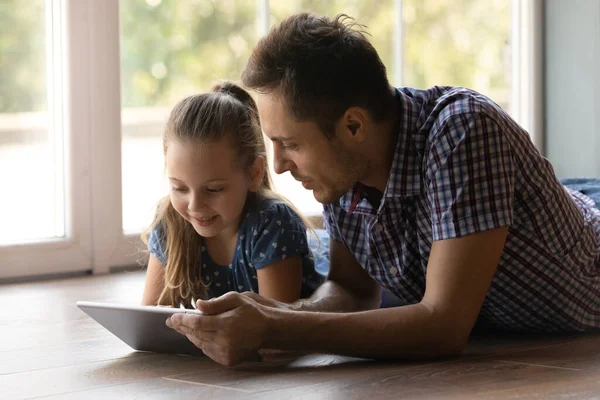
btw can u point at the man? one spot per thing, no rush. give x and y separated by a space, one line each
437 195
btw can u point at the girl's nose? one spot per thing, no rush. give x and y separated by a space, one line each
197 202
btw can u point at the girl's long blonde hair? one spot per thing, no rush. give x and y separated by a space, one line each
227 112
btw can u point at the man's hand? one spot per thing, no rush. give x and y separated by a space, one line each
267 301
232 330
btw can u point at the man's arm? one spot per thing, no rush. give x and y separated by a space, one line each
348 286
459 274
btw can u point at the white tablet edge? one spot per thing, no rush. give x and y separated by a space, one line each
136 307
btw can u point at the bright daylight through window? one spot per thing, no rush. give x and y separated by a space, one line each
170 49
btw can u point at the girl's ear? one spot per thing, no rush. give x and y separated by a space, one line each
257 173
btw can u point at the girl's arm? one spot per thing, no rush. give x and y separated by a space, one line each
155 282
282 280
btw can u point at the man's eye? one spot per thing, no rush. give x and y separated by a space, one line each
289 146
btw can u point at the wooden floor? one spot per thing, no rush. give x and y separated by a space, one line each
54 351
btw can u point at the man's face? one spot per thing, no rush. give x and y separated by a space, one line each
328 167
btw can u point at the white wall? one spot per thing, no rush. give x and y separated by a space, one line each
572 86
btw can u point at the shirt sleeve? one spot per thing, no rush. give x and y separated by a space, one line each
470 177
280 234
155 244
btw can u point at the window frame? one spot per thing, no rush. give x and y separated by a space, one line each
69 111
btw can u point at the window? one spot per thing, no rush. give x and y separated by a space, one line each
44 154
185 47
32 201
91 84
459 43
189 45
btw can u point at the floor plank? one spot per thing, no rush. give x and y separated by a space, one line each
56 351
64 354
157 388
460 379
582 353
78 377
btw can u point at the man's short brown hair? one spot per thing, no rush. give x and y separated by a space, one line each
321 66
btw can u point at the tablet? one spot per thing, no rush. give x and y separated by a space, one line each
142 327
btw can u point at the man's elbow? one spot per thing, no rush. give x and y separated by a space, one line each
363 298
451 347
432 349
447 335
451 339
370 300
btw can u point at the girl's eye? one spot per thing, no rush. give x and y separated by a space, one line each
214 190
177 189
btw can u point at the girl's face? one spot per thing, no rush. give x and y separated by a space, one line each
209 186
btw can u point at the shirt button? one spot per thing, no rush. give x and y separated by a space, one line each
394 271
379 228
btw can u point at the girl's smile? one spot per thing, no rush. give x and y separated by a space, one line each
205 221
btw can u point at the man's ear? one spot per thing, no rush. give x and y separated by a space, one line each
354 124
257 173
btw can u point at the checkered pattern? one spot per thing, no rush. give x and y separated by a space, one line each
462 166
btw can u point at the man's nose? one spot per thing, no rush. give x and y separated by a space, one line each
281 163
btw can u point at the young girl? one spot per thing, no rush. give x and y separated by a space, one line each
221 228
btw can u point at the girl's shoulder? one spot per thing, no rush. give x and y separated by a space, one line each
157 242
271 232
272 211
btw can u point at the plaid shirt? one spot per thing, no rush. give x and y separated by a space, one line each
462 166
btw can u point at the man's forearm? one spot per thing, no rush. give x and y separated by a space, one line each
332 297
403 332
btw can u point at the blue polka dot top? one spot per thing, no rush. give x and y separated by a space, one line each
269 233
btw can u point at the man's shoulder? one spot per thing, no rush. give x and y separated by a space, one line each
437 105
449 115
